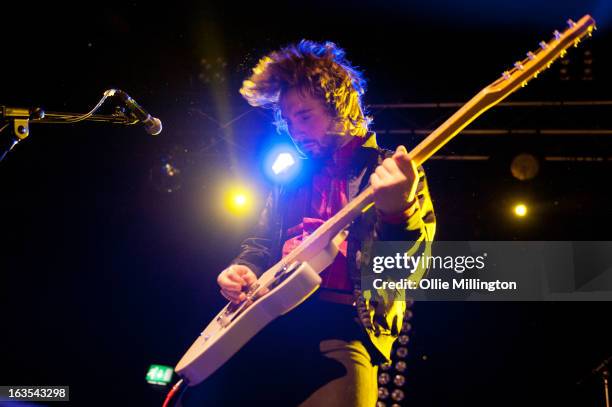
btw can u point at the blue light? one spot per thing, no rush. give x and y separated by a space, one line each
281 163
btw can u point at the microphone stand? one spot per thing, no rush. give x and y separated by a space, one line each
605 374
21 118
603 370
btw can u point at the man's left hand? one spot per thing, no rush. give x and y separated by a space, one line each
395 183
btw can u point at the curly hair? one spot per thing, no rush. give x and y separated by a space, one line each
320 70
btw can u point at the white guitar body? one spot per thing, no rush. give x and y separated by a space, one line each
237 323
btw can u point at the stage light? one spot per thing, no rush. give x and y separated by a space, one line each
520 210
282 163
524 167
238 201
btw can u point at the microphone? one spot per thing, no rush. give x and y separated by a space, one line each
152 124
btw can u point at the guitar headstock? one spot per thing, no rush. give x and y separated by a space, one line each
541 59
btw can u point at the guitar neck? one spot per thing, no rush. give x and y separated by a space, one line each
485 99
425 149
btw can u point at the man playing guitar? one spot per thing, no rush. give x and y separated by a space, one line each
340 334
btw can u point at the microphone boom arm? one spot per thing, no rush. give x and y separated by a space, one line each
20 119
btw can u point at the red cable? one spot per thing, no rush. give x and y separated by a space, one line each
171 393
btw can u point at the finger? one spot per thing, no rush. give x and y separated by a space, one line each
382 173
228 296
401 155
233 276
233 296
249 277
400 150
241 269
391 166
246 273
374 181
407 166
225 282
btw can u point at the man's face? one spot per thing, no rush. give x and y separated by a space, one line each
310 124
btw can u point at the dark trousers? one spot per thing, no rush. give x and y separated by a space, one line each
315 355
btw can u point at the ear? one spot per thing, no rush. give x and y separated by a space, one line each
336 127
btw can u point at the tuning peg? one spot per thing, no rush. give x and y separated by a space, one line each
543 44
531 56
590 29
518 65
506 75
557 35
571 23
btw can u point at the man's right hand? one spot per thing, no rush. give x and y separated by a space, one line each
234 280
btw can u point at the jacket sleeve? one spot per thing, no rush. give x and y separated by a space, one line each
418 225
256 251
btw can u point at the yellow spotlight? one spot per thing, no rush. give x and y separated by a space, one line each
238 201
520 210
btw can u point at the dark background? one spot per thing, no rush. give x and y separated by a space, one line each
104 271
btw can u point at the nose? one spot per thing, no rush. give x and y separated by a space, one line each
296 133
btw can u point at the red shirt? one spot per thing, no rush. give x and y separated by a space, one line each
329 195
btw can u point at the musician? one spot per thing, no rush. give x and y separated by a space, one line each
335 339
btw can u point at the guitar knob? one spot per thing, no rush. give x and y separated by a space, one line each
531 56
518 65
543 45
571 23
506 75
557 35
